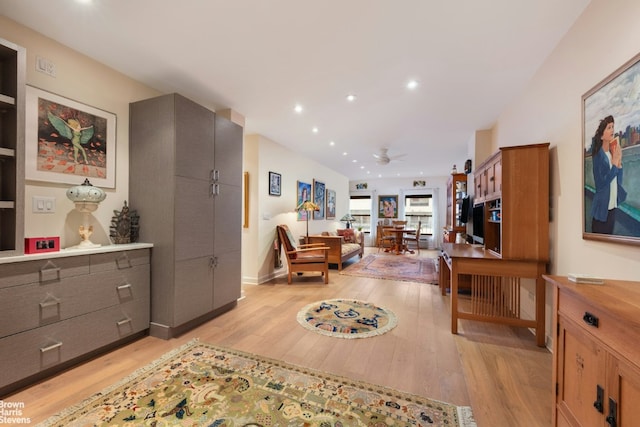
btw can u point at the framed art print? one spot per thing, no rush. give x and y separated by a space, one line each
275 184
67 141
611 157
388 207
303 193
331 204
319 190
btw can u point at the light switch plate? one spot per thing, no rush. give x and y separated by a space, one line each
43 204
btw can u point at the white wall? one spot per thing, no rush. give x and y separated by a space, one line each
605 37
261 157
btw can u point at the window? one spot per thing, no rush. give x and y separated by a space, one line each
360 208
419 207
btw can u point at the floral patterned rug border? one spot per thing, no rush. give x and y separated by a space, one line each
202 384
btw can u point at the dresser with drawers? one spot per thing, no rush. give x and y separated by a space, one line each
596 353
61 307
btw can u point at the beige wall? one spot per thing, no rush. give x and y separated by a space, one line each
261 156
89 82
606 36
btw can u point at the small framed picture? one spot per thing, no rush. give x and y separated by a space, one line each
275 184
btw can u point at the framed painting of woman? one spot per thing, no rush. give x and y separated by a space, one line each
611 157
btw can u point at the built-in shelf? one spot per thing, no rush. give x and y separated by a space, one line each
9 100
7 152
12 124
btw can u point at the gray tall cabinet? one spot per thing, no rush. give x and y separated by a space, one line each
185 181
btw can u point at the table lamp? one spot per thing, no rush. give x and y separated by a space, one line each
86 198
308 206
348 218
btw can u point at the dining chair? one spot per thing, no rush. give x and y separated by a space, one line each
414 237
386 240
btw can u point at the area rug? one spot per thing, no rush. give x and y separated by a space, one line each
346 318
204 385
405 268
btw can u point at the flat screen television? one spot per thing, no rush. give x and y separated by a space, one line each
478 223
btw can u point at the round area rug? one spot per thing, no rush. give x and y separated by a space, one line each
344 318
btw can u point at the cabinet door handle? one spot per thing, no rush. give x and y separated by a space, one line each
50 347
612 418
599 403
590 319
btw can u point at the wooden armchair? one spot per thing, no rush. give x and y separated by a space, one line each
306 257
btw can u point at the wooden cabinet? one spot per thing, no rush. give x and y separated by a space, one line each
513 187
12 111
62 307
186 162
456 192
596 362
488 179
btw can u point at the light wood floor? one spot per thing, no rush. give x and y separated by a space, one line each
497 370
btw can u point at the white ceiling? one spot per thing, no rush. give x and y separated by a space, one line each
261 57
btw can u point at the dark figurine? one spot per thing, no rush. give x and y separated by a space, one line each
124 226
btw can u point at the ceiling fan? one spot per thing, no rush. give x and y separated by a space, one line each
383 158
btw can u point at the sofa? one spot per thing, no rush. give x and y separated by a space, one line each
343 244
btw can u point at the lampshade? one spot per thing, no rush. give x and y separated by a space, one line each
348 218
308 205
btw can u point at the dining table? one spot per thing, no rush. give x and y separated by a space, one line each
399 246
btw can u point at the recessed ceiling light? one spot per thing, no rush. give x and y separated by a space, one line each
345 153
84 1
314 130
351 97
332 143
362 167
354 161
412 84
298 108
379 175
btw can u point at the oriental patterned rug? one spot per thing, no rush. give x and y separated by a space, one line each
204 385
346 318
407 268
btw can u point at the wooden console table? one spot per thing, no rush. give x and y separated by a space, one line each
494 284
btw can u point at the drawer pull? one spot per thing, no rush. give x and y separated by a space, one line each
49 303
590 319
48 271
124 322
123 287
123 261
51 347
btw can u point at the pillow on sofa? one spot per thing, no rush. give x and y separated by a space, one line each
348 234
